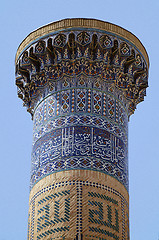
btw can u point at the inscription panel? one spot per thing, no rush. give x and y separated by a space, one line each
80 147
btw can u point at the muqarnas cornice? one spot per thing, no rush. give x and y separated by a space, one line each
109 52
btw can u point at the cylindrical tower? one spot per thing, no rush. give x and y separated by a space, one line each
80 80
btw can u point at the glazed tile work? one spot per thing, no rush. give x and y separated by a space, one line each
80 85
80 148
87 100
80 132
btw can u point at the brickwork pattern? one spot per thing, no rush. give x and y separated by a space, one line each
64 205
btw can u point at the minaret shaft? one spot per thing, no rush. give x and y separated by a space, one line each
80 83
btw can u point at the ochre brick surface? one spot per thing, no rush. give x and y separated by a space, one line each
70 203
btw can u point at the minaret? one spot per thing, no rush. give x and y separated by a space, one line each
80 79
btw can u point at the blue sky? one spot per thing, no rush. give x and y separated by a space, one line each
17 20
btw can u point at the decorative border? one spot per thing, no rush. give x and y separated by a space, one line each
80 120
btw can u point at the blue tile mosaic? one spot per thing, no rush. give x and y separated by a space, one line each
80 148
81 125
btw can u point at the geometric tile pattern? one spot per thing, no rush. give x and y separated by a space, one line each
104 205
84 101
99 214
97 102
106 101
81 100
80 120
111 108
79 208
65 105
43 219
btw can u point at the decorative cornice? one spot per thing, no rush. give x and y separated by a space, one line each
87 51
82 23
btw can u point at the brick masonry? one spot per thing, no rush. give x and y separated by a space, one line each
67 203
